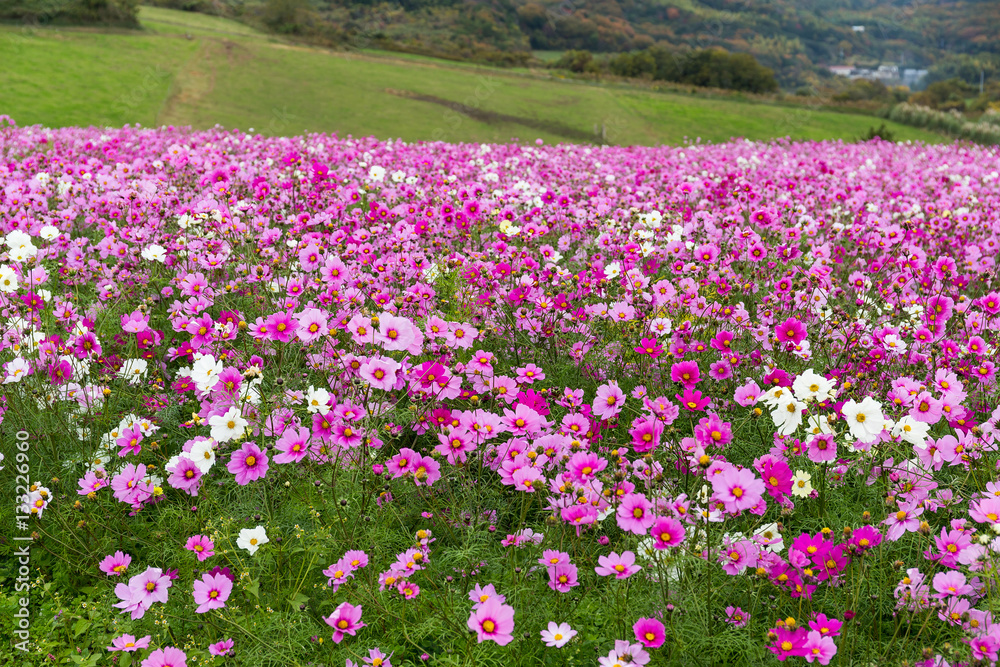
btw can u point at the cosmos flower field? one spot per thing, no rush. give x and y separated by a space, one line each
320 401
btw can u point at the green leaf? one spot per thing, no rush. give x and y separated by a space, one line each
299 599
126 660
80 627
253 588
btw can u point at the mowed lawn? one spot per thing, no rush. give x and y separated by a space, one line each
190 69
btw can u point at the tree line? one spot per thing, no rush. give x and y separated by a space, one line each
709 68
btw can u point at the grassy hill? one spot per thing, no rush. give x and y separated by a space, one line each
197 70
795 38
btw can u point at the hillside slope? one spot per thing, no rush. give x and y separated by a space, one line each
191 69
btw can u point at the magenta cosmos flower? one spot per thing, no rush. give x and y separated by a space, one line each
649 632
212 592
493 621
201 545
248 463
168 656
686 373
790 331
345 620
667 532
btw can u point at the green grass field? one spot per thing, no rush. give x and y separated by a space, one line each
191 69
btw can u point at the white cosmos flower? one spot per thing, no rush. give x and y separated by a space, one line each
775 396
205 372
810 386
787 415
8 279
317 400
252 538
557 634
912 431
133 370
865 419
771 538
819 425
203 454
228 426
801 484
154 253
16 370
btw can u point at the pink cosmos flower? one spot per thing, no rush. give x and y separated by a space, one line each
426 471
115 565
493 621
130 441
737 617
622 567
738 489
579 516
951 584
788 643
168 656
91 483
905 520
201 545
293 445
481 595
649 346
224 647
185 475
345 620
248 463
530 374
646 434
822 448
826 627
380 372
456 445
649 632
635 514
819 648
395 333
212 592
609 400
129 487
150 586
129 643
583 467
403 462
563 577
312 325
